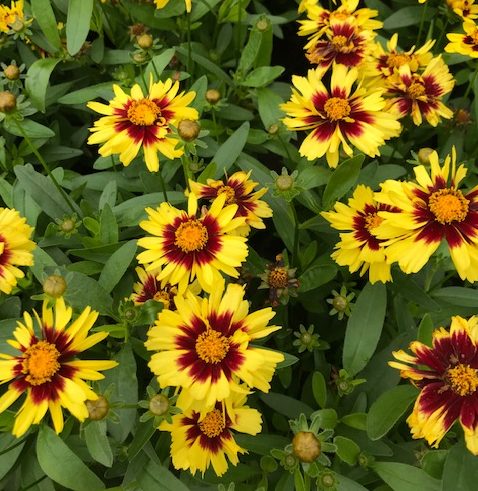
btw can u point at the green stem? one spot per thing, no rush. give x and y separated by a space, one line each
47 169
239 32
422 21
190 55
295 249
163 187
185 164
442 33
214 122
471 83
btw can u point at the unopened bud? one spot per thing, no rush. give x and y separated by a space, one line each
273 129
8 101
262 24
98 409
17 25
12 72
188 130
159 405
145 41
306 446
68 225
284 182
424 155
213 96
340 303
54 286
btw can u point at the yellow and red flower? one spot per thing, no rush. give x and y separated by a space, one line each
162 3
238 190
132 122
339 116
46 369
359 247
431 210
149 288
464 44
447 375
190 247
15 248
466 9
204 347
199 441
419 95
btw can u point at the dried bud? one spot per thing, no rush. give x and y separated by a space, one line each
98 409
424 155
306 446
213 96
159 405
462 117
188 130
54 286
145 41
12 72
8 101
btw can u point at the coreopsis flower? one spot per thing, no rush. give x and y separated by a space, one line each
239 190
188 247
204 347
199 441
162 3
432 209
10 15
359 247
305 5
338 117
280 280
135 121
387 63
46 368
149 288
466 9
419 95
466 43
447 375
342 43
319 19
15 248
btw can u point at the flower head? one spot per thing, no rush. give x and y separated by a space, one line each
447 375
466 43
466 9
149 288
46 368
135 121
15 248
204 347
359 247
239 190
339 116
432 209
201 440
10 15
280 280
189 246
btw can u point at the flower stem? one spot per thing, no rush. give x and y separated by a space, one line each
163 187
295 249
47 169
185 163
471 83
190 55
422 21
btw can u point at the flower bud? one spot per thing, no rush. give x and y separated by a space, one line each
327 480
8 101
213 96
273 129
145 41
67 225
98 409
263 24
284 182
424 155
340 303
306 446
159 405
12 72
188 130
54 286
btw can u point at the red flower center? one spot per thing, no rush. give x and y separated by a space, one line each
40 363
213 424
463 379
337 108
191 236
212 346
448 205
143 112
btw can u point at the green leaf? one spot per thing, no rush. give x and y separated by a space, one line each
250 51
346 484
8 459
157 477
461 470
326 418
117 265
81 96
458 295
262 76
83 291
364 327
355 420
388 409
230 150
425 330
299 480
319 389
78 24
41 260
347 449
97 442
158 63
404 477
406 16
143 434
61 465
286 405
342 180
30 128
268 105
316 275
37 79
108 232
260 444
44 15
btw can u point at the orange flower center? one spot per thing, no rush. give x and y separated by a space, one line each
191 236
40 363
163 297
396 60
229 192
416 89
143 112
463 379
372 220
212 346
278 278
341 44
448 205
337 108
213 423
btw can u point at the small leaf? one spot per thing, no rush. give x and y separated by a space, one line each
230 150
30 128
347 449
425 330
97 442
404 477
319 389
406 16
37 79
78 24
355 420
117 265
316 275
262 76
286 405
44 15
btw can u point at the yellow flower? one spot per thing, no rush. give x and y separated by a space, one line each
338 116
464 44
199 441
432 209
46 368
162 3
15 248
132 122
359 248
190 247
466 9
204 347
8 15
